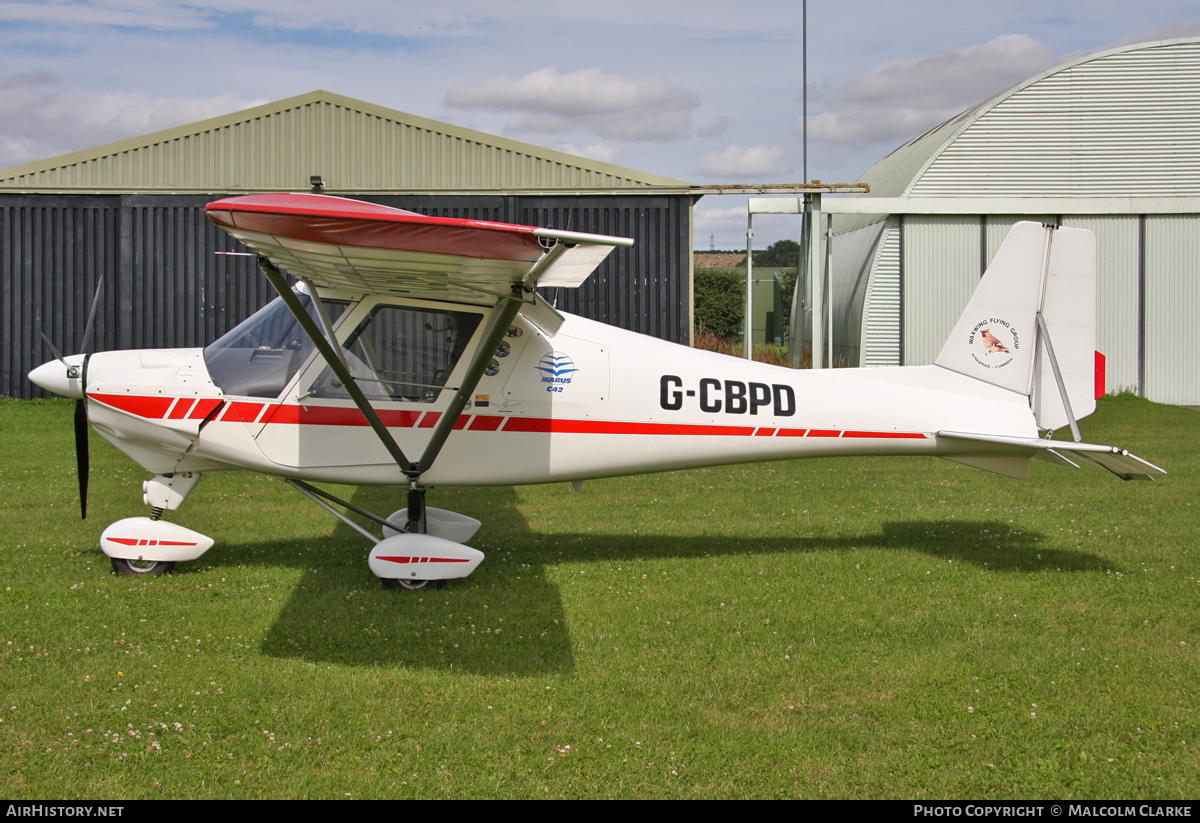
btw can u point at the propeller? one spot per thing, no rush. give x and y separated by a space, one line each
73 383
82 460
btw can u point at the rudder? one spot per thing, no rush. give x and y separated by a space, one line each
1038 270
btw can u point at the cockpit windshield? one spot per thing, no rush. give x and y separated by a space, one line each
259 356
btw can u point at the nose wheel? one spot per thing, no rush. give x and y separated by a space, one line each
397 584
143 547
133 567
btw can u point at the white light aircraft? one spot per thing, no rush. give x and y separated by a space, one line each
414 351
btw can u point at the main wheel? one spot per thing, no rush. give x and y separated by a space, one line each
399 584
145 568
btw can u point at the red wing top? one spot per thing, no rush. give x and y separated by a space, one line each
354 246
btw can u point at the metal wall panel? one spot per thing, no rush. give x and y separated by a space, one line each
941 270
882 330
852 253
185 293
51 257
165 286
1117 321
644 288
1171 305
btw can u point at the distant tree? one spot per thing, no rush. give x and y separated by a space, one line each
780 254
720 301
787 288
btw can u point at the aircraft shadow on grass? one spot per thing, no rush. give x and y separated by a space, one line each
340 614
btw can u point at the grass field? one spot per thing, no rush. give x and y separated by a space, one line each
840 628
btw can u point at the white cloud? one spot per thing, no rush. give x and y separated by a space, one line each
724 226
737 161
716 128
43 119
900 99
590 100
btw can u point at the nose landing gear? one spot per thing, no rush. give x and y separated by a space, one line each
150 546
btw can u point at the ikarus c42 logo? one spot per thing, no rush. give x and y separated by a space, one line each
557 370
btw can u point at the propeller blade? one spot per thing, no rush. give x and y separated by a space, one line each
82 459
81 454
57 355
91 321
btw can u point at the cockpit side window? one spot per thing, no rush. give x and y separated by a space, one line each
259 357
402 353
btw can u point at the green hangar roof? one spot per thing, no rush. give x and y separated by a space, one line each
353 145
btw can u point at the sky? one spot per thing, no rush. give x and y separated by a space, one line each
707 92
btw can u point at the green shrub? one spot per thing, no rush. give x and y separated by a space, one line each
720 301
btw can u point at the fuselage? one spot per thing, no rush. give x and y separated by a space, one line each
568 400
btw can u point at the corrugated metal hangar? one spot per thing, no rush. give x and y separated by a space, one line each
1109 142
132 212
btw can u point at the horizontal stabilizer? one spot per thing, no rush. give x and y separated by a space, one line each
1118 461
1009 465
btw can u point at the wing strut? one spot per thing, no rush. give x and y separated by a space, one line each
498 323
334 360
501 318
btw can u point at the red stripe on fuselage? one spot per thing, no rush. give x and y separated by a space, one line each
542 425
156 407
486 423
286 414
204 408
181 409
150 407
432 418
242 412
886 435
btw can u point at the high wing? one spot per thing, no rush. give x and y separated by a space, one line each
360 247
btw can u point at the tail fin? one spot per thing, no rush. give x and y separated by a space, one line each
1039 271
